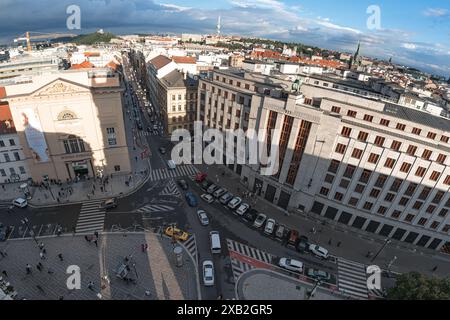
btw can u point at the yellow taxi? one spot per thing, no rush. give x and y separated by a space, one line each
176 233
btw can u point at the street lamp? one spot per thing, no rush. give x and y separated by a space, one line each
391 263
386 242
25 222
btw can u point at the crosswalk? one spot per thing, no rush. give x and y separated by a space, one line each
239 267
91 218
5 205
191 246
352 278
146 133
171 190
179 171
152 208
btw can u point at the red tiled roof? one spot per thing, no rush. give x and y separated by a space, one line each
112 65
160 62
83 65
181 60
92 54
6 122
2 92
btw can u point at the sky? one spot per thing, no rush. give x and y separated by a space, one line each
414 32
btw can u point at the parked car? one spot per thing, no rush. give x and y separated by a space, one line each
259 221
318 251
226 198
200 177
183 184
219 192
3 232
242 209
20 203
208 273
207 197
109 204
205 184
293 238
291 265
281 232
234 203
212 188
191 199
270 226
176 233
250 215
303 244
162 150
203 217
318 274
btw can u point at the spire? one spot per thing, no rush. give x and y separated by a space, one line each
357 51
218 27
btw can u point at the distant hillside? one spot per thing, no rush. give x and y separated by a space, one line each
89 39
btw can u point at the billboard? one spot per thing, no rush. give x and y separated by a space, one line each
34 135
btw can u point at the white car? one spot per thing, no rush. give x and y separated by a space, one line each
203 217
208 273
242 209
219 192
259 221
270 226
207 197
234 203
318 251
20 202
291 265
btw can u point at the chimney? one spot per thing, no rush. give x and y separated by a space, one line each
184 75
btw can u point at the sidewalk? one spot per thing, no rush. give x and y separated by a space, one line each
156 274
354 245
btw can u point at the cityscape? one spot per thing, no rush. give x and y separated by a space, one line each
217 153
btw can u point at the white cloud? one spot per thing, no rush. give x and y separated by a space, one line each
174 7
436 12
409 46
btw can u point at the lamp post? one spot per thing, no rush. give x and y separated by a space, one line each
386 242
391 263
25 222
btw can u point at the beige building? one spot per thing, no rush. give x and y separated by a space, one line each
70 124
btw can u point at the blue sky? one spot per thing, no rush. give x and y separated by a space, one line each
413 32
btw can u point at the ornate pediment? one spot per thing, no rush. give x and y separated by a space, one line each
59 88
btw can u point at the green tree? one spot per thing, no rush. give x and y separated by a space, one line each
416 286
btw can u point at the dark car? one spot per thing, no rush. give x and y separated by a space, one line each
162 150
303 244
191 199
250 215
293 238
205 184
183 184
3 231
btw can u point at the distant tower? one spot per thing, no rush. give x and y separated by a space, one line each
218 27
356 59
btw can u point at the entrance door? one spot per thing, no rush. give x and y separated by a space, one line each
80 168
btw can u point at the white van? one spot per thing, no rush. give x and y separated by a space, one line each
215 242
171 164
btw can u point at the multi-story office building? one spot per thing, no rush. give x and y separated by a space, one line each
357 160
13 165
70 124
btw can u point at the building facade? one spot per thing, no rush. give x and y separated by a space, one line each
70 124
358 161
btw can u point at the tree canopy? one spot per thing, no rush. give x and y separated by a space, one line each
416 286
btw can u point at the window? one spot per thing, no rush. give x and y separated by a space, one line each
74 145
116 168
411 150
12 171
381 181
340 148
409 218
357 153
353 202
344 183
403 201
174 98
441 158
411 189
238 84
368 206
368 118
401 126
375 193
111 132
7 158
416 131
362 136
329 178
420 172
446 228
247 86
324 191
2 172
431 209
373 158
396 214
360 188
349 171
365 176
431 135
379 141
335 109
16 156
382 210
444 139
443 212
405 167
435 176
22 170
346 131
424 194
351 113
389 163
396 145
389 197
2 143
396 185
338 196
384 122
447 180
438 197
434 225
426 154
12 142
334 166
417 205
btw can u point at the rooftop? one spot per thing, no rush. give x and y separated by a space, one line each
175 79
160 61
184 60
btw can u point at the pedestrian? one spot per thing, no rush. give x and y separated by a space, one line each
87 238
42 256
28 268
39 266
60 256
93 192
44 251
96 234
101 188
339 244
3 187
3 253
57 199
435 268
95 241
50 271
4 273
88 196
91 285
93 186
329 242
41 245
